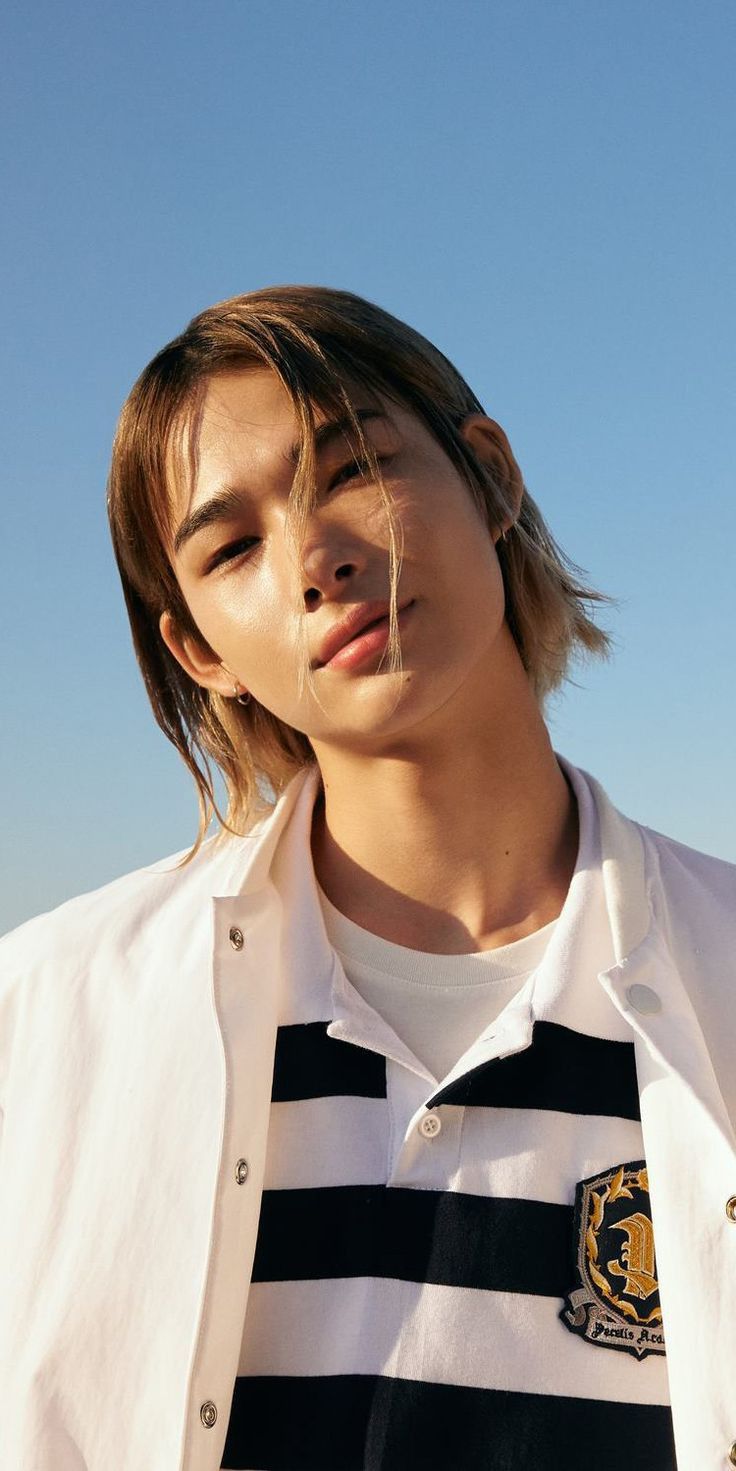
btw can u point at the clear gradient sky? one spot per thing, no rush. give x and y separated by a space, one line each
545 190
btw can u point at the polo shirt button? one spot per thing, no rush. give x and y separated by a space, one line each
237 938
208 1413
430 1125
731 1208
644 1000
732 1454
241 1171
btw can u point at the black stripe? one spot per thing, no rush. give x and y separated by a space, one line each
363 1422
561 1069
309 1064
417 1236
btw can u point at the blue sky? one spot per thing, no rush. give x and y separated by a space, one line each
546 191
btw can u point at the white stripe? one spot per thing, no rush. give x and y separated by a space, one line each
537 1154
327 1141
437 1335
522 1154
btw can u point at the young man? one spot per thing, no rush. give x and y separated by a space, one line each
398 1131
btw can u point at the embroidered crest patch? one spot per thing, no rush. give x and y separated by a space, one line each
615 1303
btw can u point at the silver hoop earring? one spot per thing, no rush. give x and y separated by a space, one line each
243 698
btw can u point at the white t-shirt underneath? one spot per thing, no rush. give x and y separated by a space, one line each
436 1004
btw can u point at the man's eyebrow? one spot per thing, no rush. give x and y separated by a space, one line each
224 506
333 429
228 503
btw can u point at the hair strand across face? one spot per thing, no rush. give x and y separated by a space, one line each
324 345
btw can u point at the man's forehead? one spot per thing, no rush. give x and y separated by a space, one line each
253 407
248 401
250 413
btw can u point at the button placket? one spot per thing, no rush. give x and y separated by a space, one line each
237 940
228 980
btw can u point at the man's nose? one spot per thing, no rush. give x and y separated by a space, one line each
327 565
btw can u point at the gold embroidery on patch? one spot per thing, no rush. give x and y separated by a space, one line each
612 1305
637 1256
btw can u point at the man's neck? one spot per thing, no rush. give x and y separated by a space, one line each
451 847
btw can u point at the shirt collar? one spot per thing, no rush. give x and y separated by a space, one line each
585 942
563 989
245 864
274 865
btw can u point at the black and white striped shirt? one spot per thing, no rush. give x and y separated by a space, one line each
416 1238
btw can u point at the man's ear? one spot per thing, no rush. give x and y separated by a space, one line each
196 659
490 445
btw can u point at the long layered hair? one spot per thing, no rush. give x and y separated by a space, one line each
323 345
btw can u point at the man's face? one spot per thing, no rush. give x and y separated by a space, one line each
240 576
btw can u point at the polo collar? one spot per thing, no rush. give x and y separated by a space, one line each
563 989
592 928
610 872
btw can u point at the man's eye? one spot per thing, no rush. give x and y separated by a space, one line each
231 551
354 469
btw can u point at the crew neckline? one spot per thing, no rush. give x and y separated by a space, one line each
361 947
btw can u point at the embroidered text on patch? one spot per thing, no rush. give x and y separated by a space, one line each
616 1304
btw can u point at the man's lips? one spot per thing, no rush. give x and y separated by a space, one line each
362 618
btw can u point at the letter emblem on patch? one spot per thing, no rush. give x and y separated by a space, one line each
615 1302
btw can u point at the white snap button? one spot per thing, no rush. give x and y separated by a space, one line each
430 1125
241 1171
237 938
644 1000
208 1413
